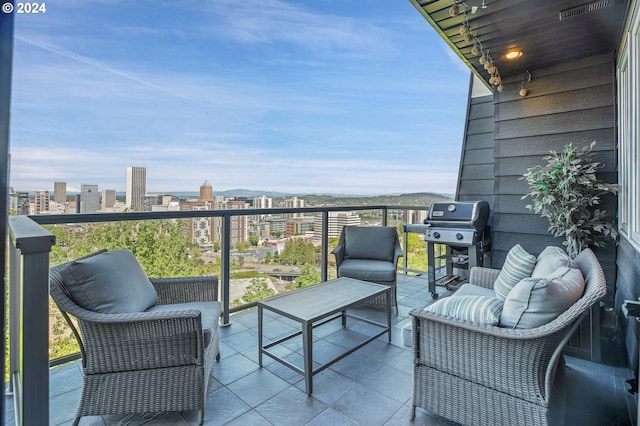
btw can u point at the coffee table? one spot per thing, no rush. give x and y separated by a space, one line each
317 305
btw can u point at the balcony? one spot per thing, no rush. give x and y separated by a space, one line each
370 387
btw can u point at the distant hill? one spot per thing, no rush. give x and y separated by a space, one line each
414 199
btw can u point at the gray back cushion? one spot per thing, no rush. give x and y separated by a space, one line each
363 242
111 282
537 301
550 260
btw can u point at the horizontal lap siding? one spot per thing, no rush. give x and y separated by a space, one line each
476 181
571 103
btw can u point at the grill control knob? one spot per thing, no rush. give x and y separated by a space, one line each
459 236
436 234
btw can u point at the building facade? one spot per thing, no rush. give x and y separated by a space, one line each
136 187
337 220
108 199
89 198
42 201
60 192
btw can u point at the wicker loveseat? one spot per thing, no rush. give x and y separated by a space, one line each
138 360
480 374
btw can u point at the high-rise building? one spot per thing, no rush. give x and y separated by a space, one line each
89 198
108 199
292 203
148 201
336 221
136 187
42 201
206 192
239 231
60 192
262 202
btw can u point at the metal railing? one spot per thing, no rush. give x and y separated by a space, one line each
30 245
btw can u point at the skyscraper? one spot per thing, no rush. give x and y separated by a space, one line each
89 198
42 201
136 187
60 192
206 192
108 198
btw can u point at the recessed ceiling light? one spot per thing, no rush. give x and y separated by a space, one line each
512 54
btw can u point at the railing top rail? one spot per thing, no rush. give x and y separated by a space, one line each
28 236
185 214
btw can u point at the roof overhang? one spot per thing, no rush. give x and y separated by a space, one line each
546 32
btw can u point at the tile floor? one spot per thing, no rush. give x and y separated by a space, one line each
369 387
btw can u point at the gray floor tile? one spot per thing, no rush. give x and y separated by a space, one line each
291 407
333 418
250 418
258 386
393 383
367 406
232 368
223 406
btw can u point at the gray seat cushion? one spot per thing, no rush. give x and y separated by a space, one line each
111 283
368 270
210 313
376 243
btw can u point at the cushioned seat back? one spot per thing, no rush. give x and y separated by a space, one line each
377 243
108 282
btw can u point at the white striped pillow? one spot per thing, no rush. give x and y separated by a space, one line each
480 309
518 265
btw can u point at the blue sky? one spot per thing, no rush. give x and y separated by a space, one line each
338 96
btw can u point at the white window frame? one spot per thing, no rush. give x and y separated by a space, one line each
628 76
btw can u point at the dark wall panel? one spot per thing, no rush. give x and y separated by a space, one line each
570 103
476 179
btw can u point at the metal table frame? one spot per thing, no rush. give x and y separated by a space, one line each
337 299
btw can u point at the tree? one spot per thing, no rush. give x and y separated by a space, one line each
298 252
253 240
162 247
243 246
309 276
257 290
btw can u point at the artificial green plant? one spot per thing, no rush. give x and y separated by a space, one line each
566 192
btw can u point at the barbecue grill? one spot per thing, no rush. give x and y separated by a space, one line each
463 228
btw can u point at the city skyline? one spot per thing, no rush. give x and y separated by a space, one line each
297 97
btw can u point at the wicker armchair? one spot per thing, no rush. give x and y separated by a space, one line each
484 375
370 253
145 362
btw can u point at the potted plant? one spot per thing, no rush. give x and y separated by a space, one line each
566 191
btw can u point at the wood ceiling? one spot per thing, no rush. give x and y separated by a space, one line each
532 26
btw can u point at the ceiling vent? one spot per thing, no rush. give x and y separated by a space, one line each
585 8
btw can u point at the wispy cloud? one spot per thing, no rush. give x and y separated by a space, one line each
270 94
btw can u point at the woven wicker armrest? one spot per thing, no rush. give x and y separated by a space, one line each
483 277
186 289
491 356
144 340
